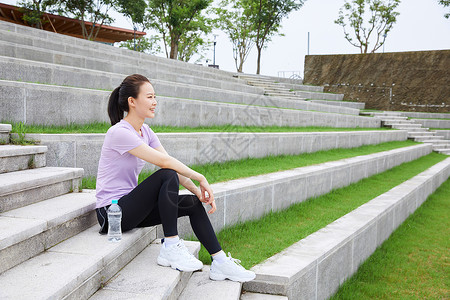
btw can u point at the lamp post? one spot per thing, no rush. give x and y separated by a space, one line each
214 57
134 39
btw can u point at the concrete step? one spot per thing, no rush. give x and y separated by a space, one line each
15 157
257 296
418 129
440 150
5 130
320 96
391 122
200 287
388 118
426 138
418 133
24 35
75 268
387 113
275 79
64 105
405 126
317 265
301 87
355 105
438 142
426 115
143 278
27 231
21 188
86 76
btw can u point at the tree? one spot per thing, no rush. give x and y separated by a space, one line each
267 16
95 11
445 3
236 23
172 19
144 44
369 26
193 41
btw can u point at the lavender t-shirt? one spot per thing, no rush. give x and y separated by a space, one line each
118 170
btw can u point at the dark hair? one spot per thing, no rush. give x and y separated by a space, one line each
118 101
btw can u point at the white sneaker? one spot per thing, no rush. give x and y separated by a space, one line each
178 257
230 269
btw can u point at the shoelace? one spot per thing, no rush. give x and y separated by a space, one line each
235 260
181 245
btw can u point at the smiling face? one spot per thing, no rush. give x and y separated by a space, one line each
144 105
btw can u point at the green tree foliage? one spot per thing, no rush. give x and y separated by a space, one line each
371 21
193 41
149 45
33 11
235 21
267 16
134 10
174 19
95 11
445 3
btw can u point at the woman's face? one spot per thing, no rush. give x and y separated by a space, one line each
145 103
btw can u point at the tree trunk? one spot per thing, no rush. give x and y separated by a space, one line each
258 67
173 48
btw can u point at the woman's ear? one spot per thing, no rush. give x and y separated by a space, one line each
131 102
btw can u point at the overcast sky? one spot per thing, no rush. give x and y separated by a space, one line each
420 26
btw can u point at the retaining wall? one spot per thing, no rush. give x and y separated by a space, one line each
405 81
433 123
83 150
444 133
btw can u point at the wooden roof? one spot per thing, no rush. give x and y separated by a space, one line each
68 26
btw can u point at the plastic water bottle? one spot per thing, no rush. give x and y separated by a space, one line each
114 222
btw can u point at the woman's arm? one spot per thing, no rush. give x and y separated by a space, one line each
164 160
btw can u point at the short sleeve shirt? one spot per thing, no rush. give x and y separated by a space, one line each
118 170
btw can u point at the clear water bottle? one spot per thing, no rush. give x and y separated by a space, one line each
114 222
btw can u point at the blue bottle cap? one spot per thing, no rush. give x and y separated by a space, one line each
114 201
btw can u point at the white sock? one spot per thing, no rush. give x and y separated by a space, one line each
170 241
220 257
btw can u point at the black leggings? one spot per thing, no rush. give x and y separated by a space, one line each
156 201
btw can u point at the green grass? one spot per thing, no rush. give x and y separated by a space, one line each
254 241
414 262
217 172
103 127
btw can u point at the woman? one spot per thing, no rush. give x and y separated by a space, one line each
130 142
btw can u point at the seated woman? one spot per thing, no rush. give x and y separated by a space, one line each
130 142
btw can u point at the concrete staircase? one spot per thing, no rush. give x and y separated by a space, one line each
298 91
416 131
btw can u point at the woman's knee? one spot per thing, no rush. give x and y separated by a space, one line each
168 174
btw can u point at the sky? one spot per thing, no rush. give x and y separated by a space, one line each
420 26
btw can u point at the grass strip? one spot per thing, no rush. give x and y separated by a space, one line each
218 172
414 262
102 127
255 241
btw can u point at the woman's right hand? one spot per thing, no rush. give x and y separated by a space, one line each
208 199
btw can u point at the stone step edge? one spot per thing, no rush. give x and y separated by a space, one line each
133 281
319 268
5 128
40 178
47 275
276 191
16 150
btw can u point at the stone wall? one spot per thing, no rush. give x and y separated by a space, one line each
405 81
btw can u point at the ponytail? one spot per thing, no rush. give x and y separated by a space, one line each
114 111
118 100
